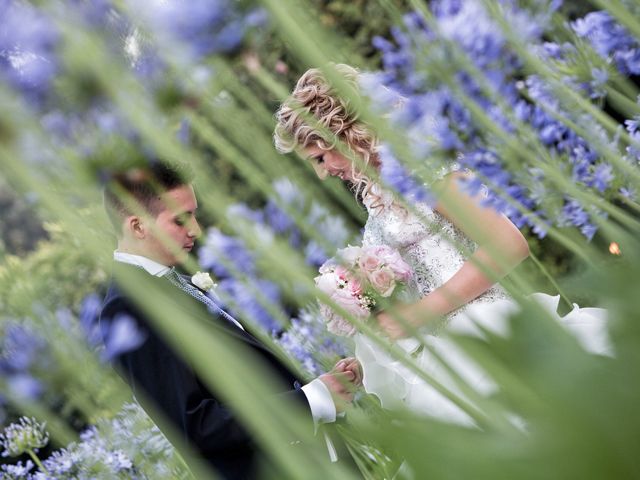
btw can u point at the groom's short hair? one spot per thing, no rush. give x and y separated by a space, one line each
140 188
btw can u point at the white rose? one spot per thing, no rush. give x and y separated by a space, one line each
203 281
327 283
348 256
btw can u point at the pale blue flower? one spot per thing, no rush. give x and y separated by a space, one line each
16 471
28 42
632 125
123 335
90 308
24 435
25 386
602 176
220 248
244 302
206 27
610 40
309 342
394 174
21 348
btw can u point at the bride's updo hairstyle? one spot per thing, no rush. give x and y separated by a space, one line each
315 114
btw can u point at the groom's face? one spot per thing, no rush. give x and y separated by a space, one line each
170 236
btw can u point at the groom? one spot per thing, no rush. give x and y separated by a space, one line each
153 212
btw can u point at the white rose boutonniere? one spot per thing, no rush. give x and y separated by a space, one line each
203 281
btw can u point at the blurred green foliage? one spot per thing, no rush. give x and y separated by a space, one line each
20 225
61 272
579 409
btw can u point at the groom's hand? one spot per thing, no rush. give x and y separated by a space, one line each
341 382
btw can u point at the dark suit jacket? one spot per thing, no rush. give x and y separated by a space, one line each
208 424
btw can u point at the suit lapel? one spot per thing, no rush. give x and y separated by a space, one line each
236 331
180 297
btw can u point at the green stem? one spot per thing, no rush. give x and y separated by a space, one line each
622 103
623 85
37 461
181 462
546 273
628 202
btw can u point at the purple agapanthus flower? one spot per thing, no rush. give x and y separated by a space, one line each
61 462
242 211
219 248
530 98
20 348
239 295
308 341
574 214
97 13
89 314
28 42
632 125
123 334
25 386
602 176
396 175
242 301
334 233
206 27
17 470
286 194
610 40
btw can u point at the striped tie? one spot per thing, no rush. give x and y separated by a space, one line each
178 280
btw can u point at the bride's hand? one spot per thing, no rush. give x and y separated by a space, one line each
390 326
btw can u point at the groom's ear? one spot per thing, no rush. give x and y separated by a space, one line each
134 225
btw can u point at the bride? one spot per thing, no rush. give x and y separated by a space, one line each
446 285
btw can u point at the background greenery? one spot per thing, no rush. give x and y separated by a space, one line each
56 248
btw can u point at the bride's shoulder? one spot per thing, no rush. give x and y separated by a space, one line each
448 172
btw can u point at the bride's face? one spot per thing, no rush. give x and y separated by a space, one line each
329 162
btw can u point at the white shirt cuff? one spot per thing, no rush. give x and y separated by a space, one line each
322 407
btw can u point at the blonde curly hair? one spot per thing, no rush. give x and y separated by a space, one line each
315 114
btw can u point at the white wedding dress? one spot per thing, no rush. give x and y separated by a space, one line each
426 246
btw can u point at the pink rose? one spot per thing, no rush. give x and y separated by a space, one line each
383 281
335 323
342 273
401 270
349 302
354 271
369 261
339 326
380 251
391 258
354 287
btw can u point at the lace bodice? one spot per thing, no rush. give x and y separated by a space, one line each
431 244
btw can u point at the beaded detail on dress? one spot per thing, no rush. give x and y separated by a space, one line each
427 241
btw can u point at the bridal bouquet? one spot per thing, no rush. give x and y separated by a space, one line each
356 278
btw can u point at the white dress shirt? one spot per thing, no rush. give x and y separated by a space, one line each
151 266
321 404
